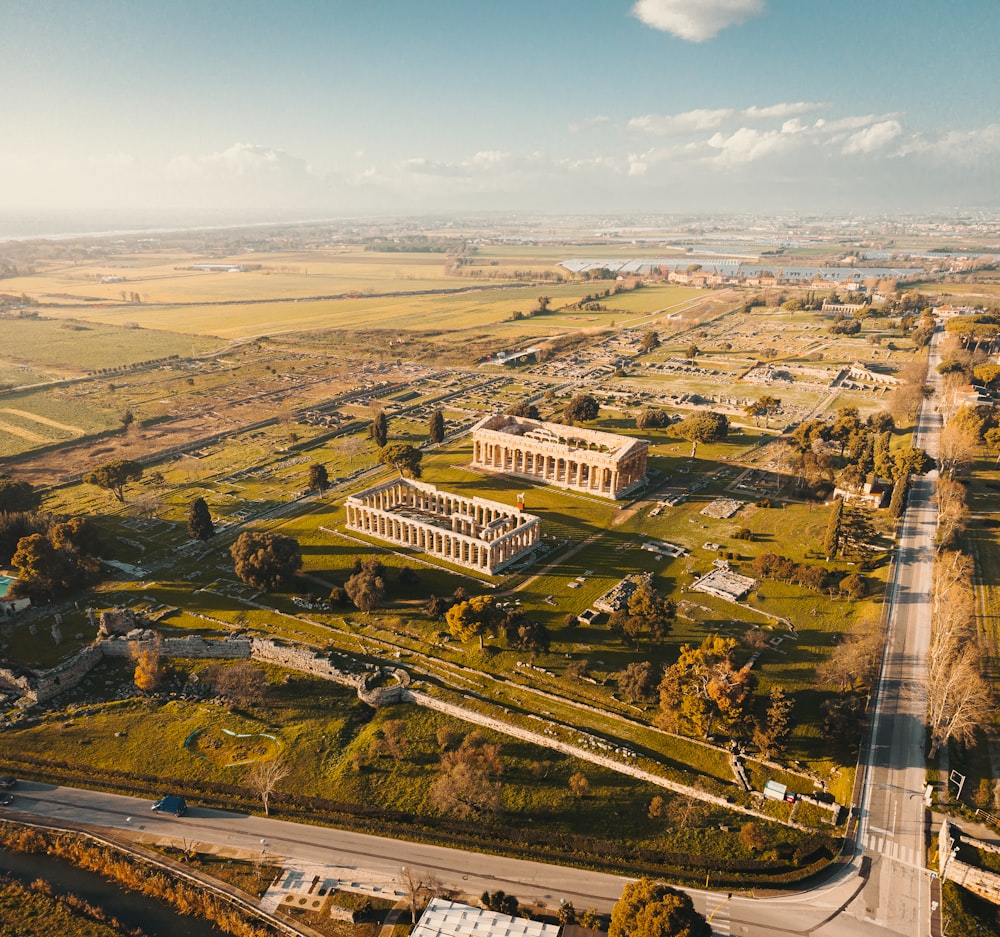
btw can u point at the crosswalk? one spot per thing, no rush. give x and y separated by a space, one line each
892 849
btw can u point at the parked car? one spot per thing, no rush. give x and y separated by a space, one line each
6 781
6 800
170 804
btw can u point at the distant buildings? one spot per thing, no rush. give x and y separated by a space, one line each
597 463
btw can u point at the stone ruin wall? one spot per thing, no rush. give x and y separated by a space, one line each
34 687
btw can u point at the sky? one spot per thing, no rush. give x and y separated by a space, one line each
262 110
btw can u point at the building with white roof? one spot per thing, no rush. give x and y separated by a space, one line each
443 918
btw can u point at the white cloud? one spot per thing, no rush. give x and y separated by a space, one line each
695 20
686 122
588 122
748 145
779 111
712 118
875 137
237 161
966 148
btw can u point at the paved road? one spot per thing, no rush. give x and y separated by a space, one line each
892 828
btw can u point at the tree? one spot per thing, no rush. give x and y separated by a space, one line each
402 457
653 419
435 429
524 409
114 476
910 460
579 784
199 523
366 589
148 664
692 351
243 683
704 684
472 617
768 405
653 909
650 340
706 427
771 735
639 681
319 478
831 541
581 409
17 496
264 776
41 568
264 560
379 429
959 700
468 780
523 634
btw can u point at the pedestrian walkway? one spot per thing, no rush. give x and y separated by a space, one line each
892 849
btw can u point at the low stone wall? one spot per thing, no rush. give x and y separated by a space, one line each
302 659
40 687
192 646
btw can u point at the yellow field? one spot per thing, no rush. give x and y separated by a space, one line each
477 309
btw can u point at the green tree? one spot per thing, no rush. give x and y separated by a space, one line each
199 522
264 560
472 618
705 427
114 476
366 589
653 909
403 457
831 542
704 684
581 409
524 409
653 419
379 429
17 496
435 429
910 460
768 405
692 351
650 340
638 682
41 568
319 478
771 735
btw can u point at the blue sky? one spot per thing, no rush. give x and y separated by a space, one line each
318 108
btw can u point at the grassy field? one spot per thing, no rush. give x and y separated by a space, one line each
69 347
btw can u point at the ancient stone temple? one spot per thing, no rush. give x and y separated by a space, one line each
585 460
472 532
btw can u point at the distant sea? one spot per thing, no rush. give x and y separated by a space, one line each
19 226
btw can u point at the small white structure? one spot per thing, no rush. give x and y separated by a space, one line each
722 508
444 918
472 532
664 548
